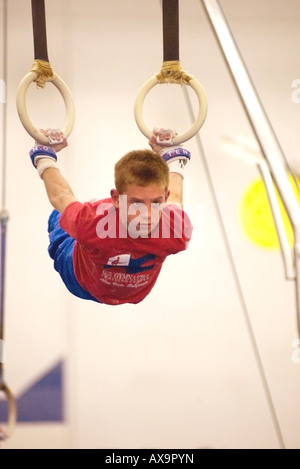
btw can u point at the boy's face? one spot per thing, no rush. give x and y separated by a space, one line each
142 206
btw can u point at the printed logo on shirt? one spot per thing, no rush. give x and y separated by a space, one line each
132 266
138 265
122 260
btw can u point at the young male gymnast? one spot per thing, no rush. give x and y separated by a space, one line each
111 250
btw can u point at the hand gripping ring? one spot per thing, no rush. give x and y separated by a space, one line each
138 109
12 412
22 109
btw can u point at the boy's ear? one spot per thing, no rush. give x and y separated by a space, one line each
167 195
115 197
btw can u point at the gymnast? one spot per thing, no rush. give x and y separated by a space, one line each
111 250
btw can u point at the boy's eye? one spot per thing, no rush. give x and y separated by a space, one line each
137 204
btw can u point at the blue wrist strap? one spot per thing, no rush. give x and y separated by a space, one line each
42 150
176 153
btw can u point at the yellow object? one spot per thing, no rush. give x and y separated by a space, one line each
256 216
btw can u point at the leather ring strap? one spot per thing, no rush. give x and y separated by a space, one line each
170 30
41 73
39 30
171 72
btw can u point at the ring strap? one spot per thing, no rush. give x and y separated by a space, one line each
41 65
39 30
170 30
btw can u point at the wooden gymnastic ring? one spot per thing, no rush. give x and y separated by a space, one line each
22 108
138 110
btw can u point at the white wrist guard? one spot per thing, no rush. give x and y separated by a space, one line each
44 162
176 158
177 167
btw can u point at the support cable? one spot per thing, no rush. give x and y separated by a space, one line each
42 73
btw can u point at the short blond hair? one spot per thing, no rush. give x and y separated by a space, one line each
141 167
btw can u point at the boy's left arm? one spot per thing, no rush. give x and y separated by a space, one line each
176 157
176 189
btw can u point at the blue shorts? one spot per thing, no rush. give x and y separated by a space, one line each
61 251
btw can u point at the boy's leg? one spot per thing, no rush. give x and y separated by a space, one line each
56 234
60 249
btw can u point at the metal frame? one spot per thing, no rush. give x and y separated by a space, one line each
275 164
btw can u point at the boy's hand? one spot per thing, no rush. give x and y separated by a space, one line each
176 156
44 157
161 138
56 139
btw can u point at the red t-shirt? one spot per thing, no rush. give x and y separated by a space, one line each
113 266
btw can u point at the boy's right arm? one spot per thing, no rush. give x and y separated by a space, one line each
44 159
58 189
